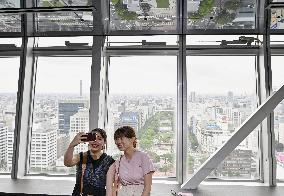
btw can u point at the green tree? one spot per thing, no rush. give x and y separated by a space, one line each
205 7
146 141
193 141
166 168
155 157
225 17
123 12
232 4
113 1
57 3
166 137
190 163
168 157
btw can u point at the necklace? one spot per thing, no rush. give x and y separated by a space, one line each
130 158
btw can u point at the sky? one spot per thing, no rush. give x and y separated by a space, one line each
140 74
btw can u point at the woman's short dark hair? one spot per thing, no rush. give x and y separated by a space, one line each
100 131
125 131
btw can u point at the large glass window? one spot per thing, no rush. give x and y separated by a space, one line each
221 95
142 92
61 110
9 73
277 82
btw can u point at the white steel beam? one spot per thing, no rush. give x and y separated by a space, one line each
244 130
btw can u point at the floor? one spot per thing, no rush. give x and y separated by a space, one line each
63 187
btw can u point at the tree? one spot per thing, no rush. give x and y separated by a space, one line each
3 164
193 141
225 17
146 139
168 158
57 3
145 7
155 157
123 12
113 1
232 4
166 168
205 7
190 163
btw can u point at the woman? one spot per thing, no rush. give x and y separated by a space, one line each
94 164
133 170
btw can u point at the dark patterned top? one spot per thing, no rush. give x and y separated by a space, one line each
94 180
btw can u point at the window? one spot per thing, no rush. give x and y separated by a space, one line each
220 97
61 94
142 95
9 73
277 82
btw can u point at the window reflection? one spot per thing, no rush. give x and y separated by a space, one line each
220 14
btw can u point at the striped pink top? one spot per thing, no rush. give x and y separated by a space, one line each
133 171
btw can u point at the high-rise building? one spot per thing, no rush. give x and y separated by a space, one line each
192 97
6 147
43 146
81 88
79 122
3 145
230 97
62 144
67 108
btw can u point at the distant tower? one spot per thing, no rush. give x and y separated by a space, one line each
81 93
192 97
230 97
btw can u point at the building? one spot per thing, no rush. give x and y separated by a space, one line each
67 108
43 147
128 119
79 122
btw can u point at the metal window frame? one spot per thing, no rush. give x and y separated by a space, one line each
26 84
198 50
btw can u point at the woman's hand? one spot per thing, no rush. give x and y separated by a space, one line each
78 139
69 159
